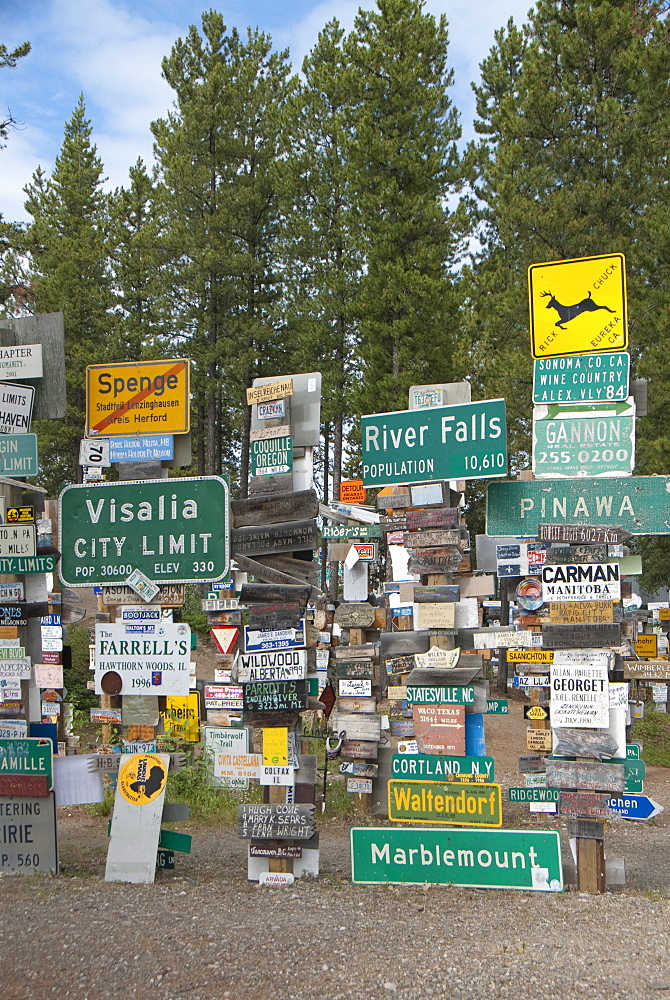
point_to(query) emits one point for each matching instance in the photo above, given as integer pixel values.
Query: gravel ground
(205, 933)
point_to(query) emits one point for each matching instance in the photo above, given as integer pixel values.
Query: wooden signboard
(582, 534)
(532, 765)
(355, 615)
(270, 593)
(271, 576)
(274, 851)
(31, 785)
(651, 670)
(581, 612)
(268, 696)
(264, 821)
(437, 658)
(357, 727)
(443, 676)
(581, 636)
(276, 616)
(290, 536)
(592, 805)
(354, 669)
(353, 688)
(274, 718)
(366, 706)
(302, 570)
(260, 510)
(359, 769)
(538, 740)
(439, 729)
(360, 749)
(480, 585)
(440, 616)
(269, 391)
(447, 517)
(500, 639)
(403, 643)
(276, 484)
(442, 560)
(272, 665)
(585, 743)
(589, 775)
(438, 539)
(390, 501)
(362, 651)
(576, 554)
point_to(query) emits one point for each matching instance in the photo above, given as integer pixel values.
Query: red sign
(366, 551)
(440, 729)
(225, 637)
(352, 491)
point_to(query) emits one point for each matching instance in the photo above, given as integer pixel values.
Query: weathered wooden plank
(273, 719)
(592, 829)
(445, 659)
(443, 560)
(357, 727)
(354, 669)
(269, 391)
(264, 821)
(271, 616)
(364, 705)
(477, 586)
(355, 615)
(435, 539)
(446, 517)
(301, 569)
(582, 534)
(581, 612)
(26, 785)
(360, 749)
(592, 805)
(439, 594)
(581, 636)
(402, 643)
(290, 536)
(274, 593)
(388, 502)
(435, 677)
(589, 775)
(429, 616)
(652, 670)
(576, 554)
(274, 485)
(364, 651)
(585, 743)
(272, 509)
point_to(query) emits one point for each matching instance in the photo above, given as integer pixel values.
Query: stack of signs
(583, 435)
(266, 662)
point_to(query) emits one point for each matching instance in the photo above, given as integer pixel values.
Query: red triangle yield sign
(225, 637)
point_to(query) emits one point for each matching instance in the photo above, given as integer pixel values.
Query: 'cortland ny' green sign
(173, 530)
(485, 859)
(638, 504)
(468, 441)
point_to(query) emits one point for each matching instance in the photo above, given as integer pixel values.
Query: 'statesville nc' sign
(174, 531)
(486, 859)
(468, 441)
(639, 504)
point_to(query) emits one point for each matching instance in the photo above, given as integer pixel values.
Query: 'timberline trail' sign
(173, 530)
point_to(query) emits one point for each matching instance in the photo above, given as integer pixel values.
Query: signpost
(581, 378)
(446, 442)
(590, 439)
(173, 531)
(493, 859)
(637, 504)
(141, 396)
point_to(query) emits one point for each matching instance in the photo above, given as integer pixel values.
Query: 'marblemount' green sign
(173, 530)
(639, 504)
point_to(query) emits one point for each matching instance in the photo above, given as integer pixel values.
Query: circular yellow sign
(142, 778)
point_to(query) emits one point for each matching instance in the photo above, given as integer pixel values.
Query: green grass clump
(654, 731)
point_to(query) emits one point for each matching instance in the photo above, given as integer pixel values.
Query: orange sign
(352, 491)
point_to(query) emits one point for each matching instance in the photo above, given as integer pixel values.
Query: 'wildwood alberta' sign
(174, 531)
(638, 504)
(468, 441)
(487, 859)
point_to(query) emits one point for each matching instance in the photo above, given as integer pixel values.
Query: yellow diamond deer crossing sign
(578, 306)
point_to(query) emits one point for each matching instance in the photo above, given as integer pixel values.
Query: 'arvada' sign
(581, 582)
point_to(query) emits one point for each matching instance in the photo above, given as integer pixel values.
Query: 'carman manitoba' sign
(638, 504)
(173, 531)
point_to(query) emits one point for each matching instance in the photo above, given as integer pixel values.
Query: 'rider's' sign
(578, 306)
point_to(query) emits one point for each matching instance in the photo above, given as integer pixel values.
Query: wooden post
(590, 865)
(277, 796)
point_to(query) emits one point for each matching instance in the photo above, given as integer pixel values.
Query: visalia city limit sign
(173, 530)
(638, 504)
(468, 441)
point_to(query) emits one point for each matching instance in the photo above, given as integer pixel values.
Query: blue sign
(18, 455)
(153, 448)
(634, 806)
(257, 640)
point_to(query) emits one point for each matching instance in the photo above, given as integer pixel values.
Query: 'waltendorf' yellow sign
(578, 306)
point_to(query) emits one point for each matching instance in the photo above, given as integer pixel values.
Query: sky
(111, 50)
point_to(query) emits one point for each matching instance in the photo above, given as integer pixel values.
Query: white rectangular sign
(17, 668)
(17, 540)
(352, 687)
(579, 696)
(157, 664)
(504, 640)
(232, 765)
(275, 665)
(20, 361)
(581, 582)
(231, 741)
(16, 407)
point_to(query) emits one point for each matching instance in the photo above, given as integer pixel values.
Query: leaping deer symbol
(571, 312)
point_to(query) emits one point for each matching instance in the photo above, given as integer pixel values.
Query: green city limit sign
(173, 530)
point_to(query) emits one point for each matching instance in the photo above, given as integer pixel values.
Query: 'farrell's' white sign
(600, 581)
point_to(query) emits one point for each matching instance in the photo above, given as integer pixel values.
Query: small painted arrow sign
(635, 806)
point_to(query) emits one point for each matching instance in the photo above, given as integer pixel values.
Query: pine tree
(67, 243)
(217, 152)
(404, 168)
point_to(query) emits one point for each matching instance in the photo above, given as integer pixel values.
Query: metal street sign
(486, 859)
(638, 504)
(533, 794)
(27, 755)
(441, 766)
(270, 456)
(173, 531)
(456, 803)
(446, 442)
(580, 379)
(18, 454)
(28, 841)
(138, 397)
(20, 361)
(635, 806)
(104, 451)
(588, 439)
(16, 407)
(17, 540)
(578, 306)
